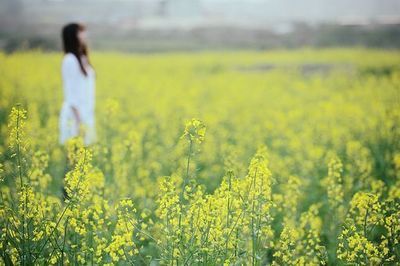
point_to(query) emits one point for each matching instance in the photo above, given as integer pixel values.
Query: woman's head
(74, 41)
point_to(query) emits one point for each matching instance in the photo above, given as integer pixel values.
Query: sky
(164, 13)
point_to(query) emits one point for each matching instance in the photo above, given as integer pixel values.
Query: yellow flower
(195, 131)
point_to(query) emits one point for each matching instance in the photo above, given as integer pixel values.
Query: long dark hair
(72, 45)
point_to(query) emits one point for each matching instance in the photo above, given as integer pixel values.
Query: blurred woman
(77, 113)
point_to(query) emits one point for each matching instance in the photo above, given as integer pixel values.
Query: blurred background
(167, 25)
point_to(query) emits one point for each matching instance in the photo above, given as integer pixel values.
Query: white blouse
(79, 92)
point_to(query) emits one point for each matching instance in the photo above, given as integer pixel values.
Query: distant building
(179, 8)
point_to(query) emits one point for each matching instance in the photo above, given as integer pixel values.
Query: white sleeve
(71, 78)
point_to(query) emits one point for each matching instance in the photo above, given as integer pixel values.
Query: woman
(77, 112)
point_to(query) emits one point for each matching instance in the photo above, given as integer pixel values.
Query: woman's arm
(76, 115)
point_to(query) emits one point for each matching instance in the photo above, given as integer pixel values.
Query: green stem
(187, 169)
(228, 213)
(19, 166)
(55, 227)
(65, 237)
(253, 237)
(183, 189)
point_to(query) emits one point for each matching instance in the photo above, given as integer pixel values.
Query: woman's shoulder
(70, 63)
(70, 58)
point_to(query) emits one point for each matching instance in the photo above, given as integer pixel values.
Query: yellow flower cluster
(76, 181)
(357, 241)
(195, 131)
(16, 126)
(334, 183)
(301, 244)
(122, 247)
